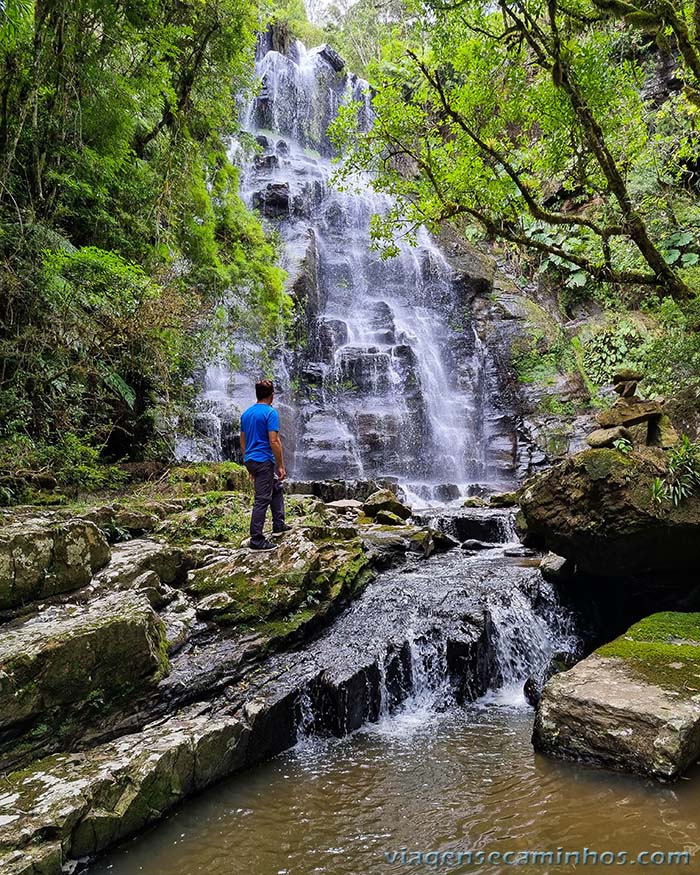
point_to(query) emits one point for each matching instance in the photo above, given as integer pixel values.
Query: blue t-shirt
(255, 424)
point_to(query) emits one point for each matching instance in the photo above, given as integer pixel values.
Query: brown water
(419, 781)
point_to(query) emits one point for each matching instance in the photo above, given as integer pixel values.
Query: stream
(444, 763)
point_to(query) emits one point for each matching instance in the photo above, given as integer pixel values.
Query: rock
(627, 375)
(442, 541)
(633, 705)
(627, 389)
(504, 499)
(56, 659)
(334, 490)
(474, 544)
(252, 587)
(492, 525)
(596, 509)
(215, 604)
(556, 568)
(345, 504)
(629, 411)
(387, 518)
(332, 57)
(662, 433)
(85, 802)
(133, 558)
(606, 437)
(475, 501)
(385, 500)
(274, 200)
(41, 558)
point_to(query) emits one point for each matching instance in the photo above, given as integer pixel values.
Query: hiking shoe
(285, 528)
(266, 545)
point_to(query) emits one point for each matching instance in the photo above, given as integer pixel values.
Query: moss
(222, 476)
(654, 645)
(600, 464)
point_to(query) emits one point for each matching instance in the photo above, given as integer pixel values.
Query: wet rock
(58, 658)
(442, 541)
(474, 544)
(632, 705)
(491, 525)
(475, 501)
(332, 57)
(274, 201)
(40, 558)
(385, 500)
(556, 568)
(606, 437)
(504, 499)
(596, 509)
(335, 490)
(89, 801)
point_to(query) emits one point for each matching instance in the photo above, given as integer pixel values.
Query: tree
(529, 121)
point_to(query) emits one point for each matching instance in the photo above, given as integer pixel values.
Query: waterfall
(388, 377)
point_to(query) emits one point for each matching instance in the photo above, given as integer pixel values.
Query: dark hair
(264, 389)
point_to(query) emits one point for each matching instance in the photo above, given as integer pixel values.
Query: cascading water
(389, 378)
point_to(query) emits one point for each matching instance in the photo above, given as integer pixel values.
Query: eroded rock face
(40, 558)
(632, 705)
(68, 652)
(596, 509)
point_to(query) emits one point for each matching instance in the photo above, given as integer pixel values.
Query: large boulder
(632, 705)
(596, 508)
(59, 658)
(41, 558)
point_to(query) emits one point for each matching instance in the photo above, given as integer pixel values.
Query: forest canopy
(121, 227)
(531, 120)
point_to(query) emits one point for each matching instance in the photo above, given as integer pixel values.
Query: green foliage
(623, 446)
(532, 127)
(616, 345)
(683, 477)
(121, 227)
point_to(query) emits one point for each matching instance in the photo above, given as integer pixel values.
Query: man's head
(264, 390)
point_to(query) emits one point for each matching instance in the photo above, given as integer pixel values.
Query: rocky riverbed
(139, 638)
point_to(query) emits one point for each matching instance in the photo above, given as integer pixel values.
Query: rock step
(41, 558)
(57, 659)
(633, 705)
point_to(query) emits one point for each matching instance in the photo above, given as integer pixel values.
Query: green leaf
(120, 386)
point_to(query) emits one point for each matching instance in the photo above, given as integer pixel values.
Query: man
(262, 450)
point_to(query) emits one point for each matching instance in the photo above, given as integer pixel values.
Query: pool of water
(421, 781)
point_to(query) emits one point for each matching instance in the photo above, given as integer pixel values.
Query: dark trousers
(268, 493)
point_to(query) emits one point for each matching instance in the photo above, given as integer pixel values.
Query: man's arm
(242, 443)
(276, 445)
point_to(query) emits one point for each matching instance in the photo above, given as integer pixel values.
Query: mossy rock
(261, 586)
(107, 649)
(596, 508)
(210, 477)
(43, 557)
(634, 704)
(664, 649)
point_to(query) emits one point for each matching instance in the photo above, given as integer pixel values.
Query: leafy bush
(618, 344)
